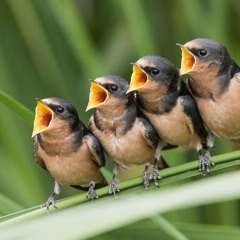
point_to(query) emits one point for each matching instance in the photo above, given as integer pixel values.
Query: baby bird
(128, 139)
(66, 148)
(214, 82)
(164, 100)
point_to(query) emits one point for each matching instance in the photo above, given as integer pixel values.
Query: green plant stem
(170, 175)
(17, 108)
(219, 161)
(109, 214)
(168, 228)
(8, 205)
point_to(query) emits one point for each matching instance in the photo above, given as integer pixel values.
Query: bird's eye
(60, 109)
(154, 71)
(113, 87)
(203, 52)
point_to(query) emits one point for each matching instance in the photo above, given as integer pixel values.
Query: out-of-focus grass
(98, 218)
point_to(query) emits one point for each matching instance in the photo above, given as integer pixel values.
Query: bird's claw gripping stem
(112, 189)
(91, 193)
(205, 164)
(155, 175)
(49, 202)
(145, 180)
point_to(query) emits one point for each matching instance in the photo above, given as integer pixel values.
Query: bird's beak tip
(87, 109)
(129, 90)
(32, 135)
(180, 45)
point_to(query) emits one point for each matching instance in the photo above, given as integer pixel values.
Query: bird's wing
(94, 146)
(96, 149)
(149, 133)
(191, 110)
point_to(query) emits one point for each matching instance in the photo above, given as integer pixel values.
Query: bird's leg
(155, 174)
(203, 163)
(208, 156)
(112, 189)
(145, 176)
(210, 144)
(51, 201)
(91, 191)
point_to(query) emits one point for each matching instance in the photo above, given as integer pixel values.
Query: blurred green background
(54, 47)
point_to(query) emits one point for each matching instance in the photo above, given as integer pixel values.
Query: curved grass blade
(132, 186)
(98, 218)
(17, 108)
(8, 205)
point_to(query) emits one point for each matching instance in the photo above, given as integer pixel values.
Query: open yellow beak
(98, 96)
(138, 79)
(188, 60)
(43, 118)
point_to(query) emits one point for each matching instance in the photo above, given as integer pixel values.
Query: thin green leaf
(7, 205)
(97, 218)
(130, 186)
(168, 228)
(17, 107)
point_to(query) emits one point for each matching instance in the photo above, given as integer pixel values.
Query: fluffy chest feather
(174, 127)
(222, 114)
(76, 168)
(125, 148)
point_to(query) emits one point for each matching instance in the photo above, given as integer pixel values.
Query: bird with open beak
(65, 148)
(163, 98)
(214, 82)
(128, 139)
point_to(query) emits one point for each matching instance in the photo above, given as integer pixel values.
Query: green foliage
(53, 48)
(97, 218)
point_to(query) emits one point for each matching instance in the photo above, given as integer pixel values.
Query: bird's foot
(145, 180)
(208, 156)
(91, 193)
(49, 202)
(205, 164)
(112, 189)
(155, 175)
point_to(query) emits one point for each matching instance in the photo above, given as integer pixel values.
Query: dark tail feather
(162, 163)
(102, 184)
(98, 185)
(169, 146)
